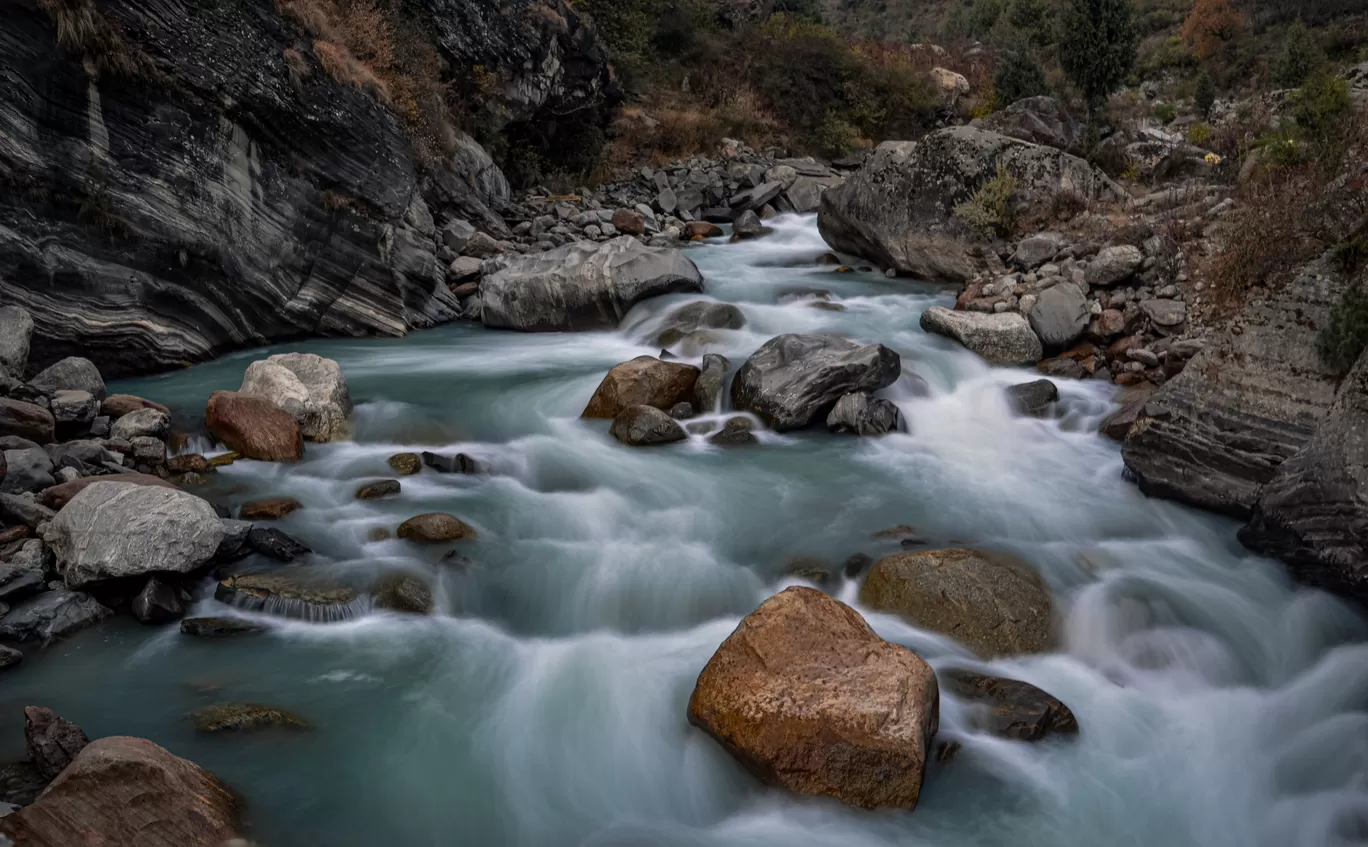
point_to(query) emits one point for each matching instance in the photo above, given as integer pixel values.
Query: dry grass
(372, 45)
(82, 29)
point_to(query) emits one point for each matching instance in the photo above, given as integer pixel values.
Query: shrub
(1340, 342)
(1019, 76)
(1321, 105)
(988, 210)
(1351, 254)
(1097, 47)
(1209, 24)
(1298, 58)
(1204, 93)
(82, 29)
(1199, 134)
(1165, 113)
(835, 137)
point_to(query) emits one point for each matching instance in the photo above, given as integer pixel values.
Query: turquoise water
(545, 705)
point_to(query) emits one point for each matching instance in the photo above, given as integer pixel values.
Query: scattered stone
(402, 592)
(52, 741)
(1060, 315)
(460, 463)
(1164, 313)
(1035, 250)
(807, 697)
(27, 470)
(1114, 264)
(642, 426)
(860, 414)
(271, 542)
(1032, 399)
(142, 422)
(187, 463)
(436, 527)
(159, 602)
(795, 380)
(118, 405)
(747, 225)
(272, 509)
(240, 717)
(219, 627)
(73, 411)
(736, 432)
(628, 222)
(702, 229)
(378, 489)
(405, 464)
(1013, 709)
(254, 427)
(644, 381)
(1000, 339)
(26, 420)
(994, 603)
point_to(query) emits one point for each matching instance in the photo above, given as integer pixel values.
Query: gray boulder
(646, 425)
(143, 422)
(1041, 120)
(1060, 315)
(29, 469)
(1035, 250)
(1002, 339)
(748, 225)
(51, 615)
(1114, 264)
(71, 374)
(1032, 399)
(582, 286)
(118, 529)
(1166, 314)
(898, 210)
(796, 380)
(73, 410)
(860, 414)
(311, 388)
(16, 328)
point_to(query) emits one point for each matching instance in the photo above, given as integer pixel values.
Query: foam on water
(545, 705)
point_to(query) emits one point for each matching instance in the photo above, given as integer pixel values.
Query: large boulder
(1114, 264)
(128, 792)
(16, 328)
(796, 380)
(254, 427)
(995, 604)
(644, 381)
(141, 422)
(70, 374)
(642, 426)
(26, 420)
(1060, 315)
(59, 495)
(1041, 120)
(120, 529)
(1001, 339)
(1313, 512)
(311, 388)
(29, 469)
(581, 286)
(899, 209)
(807, 697)
(1215, 434)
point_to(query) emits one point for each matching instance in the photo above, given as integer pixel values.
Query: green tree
(1205, 93)
(1097, 40)
(1298, 59)
(1019, 76)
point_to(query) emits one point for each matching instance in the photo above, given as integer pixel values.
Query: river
(545, 705)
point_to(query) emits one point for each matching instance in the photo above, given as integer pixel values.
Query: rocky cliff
(178, 178)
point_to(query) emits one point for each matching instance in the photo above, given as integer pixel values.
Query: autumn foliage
(1210, 23)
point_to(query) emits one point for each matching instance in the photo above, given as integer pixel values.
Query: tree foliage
(1210, 24)
(1097, 42)
(1298, 58)
(1205, 93)
(1019, 76)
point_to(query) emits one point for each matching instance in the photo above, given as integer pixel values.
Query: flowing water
(545, 705)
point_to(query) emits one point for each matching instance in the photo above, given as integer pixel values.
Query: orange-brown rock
(809, 698)
(118, 405)
(435, 527)
(702, 229)
(992, 602)
(644, 381)
(128, 792)
(272, 509)
(256, 428)
(625, 220)
(188, 463)
(59, 495)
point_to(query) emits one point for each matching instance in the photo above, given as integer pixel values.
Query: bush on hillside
(1342, 340)
(1298, 58)
(989, 210)
(1019, 76)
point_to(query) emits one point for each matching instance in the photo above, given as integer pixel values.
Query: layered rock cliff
(178, 178)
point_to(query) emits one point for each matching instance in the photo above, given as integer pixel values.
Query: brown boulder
(59, 495)
(702, 229)
(26, 420)
(435, 527)
(272, 509)
(1009, 708)
(187, 463)
(644, 381)
(629, 222)
(256, 428)
(128, 792)
(52, 741)
(118, 405)
(808, 697)
(995, 604)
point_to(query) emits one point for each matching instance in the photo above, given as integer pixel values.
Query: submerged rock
(460, 463)
(271, 509)
(1012, 709)
(379, 488)
(1001, 339)
(994, 603)
(807, 697)
(113, 530)
(698, 316)
(159, 602)
(581, 286)
(1032, 399)
(269, 541)
(435, 527)
(795, 380)
(405, 464)
(644, 381)
(310, 388)
(240, 717)
(736, 432)
(642, 426)
(256, 428)
(219, 627)
(133, 794)
(401, 592)
(860, 414)
(303, 593)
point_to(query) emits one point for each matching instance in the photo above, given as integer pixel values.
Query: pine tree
(1298, 58)
(1205, 93)
(1209, 24)
(1097, 40)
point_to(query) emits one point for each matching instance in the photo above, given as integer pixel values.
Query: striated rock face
(898, 210)
(207, 184)
(806, 696)
(1313, 513)
(1217, 432)
(128, 792)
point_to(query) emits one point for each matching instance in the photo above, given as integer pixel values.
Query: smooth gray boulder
(311, 388)
(16, 328)
(795, 380)
(29, 469)
(898, 210)
(119, 529)
(642, 426)
(581, 286)
(1060, 315)
(1002, 339)
(143, 422)
(860, 414)
(70, 374)
(1035, 250)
